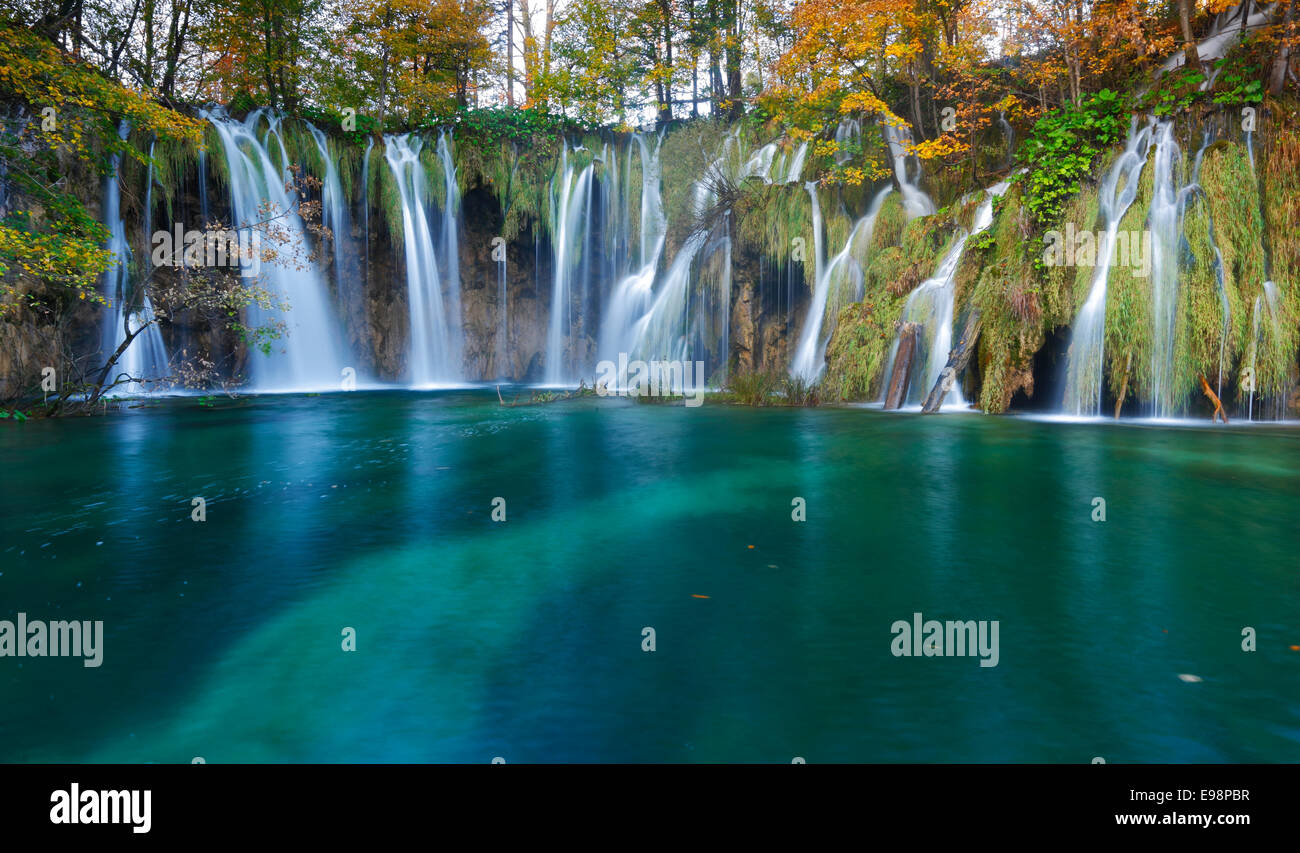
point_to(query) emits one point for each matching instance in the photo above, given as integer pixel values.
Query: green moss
(1128, 306)
(1280, 162)
(1019, 302)
(859, 348)
(889, 223)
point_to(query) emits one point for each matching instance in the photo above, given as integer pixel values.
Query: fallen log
(1214, 398)
(549, 397)
(898, 380)
(958, 358)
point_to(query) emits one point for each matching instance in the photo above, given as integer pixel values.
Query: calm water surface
(523, 639)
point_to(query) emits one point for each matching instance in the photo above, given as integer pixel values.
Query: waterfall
(1220, 284)
(1165, 220)
(365, 199)
(451, 247)
(434, 355)
(915, 201)
(796, 165)
(931, 306)
(570, 225)
(809, 359)
(205, 212)
(503, 320)
(631, 296)
(1085, 370)
(310, 358)
(333, 207)
(146, 356)
(674, 327)
(1266, 300)
(1009, 134)
(848, 132)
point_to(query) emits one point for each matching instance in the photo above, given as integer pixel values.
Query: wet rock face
(760, 333)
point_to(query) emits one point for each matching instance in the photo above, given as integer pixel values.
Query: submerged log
(958, 358)
(897, 387)
(1214, 398)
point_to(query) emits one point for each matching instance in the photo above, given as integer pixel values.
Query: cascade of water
(672, 327)
(931, 306)
(760, 162)
(1009, 134)
(451, 245)
(1265, 304)
(365, 199)
(205, 212)
(847, 134)
(1168, 202)
(434, 356)
(145, 358)
(311, 357)
(809, 360)
(915, 201)
(570, 224)
(333, 207)
(631, 297)
(796, 165)
(503, 321)
(1083, 379)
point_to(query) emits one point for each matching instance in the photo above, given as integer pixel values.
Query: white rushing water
(915, 201)
(570, 232)
(1165, 221)
(1085, 368)
(434, 354)
(631, 296)
(311, 357)
(145, 358)
(809, 358)
(931, 305)
(333, 206)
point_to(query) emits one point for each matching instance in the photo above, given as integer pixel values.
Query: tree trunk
(958, 358)
(510, 53)
(1214, 398)
(1190, 54)
(1278, 77)
(1123, 386)
(897, 387)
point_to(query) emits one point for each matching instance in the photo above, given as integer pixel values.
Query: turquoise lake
(522, 639)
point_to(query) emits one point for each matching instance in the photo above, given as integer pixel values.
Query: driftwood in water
(1123, 386)
(958, 358)
(1214, 398)
(896, 391)
(548, 397)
